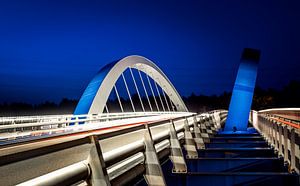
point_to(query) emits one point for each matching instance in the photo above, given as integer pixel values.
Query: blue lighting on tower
(242, 94)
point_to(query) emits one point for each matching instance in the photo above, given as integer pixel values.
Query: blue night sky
(52, 49)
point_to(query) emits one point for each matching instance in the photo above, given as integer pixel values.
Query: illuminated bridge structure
(152, 139)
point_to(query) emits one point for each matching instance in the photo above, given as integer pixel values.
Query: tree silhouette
(289, 96)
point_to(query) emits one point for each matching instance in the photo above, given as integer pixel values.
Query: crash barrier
(283, 137)
(117, 166)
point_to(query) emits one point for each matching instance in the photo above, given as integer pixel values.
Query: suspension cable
(152, 92)
(120, 103)
(136, 88)
(172, 104)
(159, 96)
(106, 108)
(128, 92)
(145, 90)
(165, 99)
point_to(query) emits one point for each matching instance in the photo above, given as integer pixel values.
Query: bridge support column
(242, 93)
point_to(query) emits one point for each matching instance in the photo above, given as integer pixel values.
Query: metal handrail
(66, 176)
(281, 135)
(79, 119)
(117, 161)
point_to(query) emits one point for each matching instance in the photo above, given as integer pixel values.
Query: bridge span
(153, 140)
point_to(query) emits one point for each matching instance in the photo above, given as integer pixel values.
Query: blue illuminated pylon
(242, 94)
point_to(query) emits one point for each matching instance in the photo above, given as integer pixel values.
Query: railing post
(198, 139)
(265, 127)
(154, 175)
(211, 124)
(270, 137)
(281, 153)
(190, 146)
(297, 151)
(285, 144)
(179, 165)
(293, 156)
(214, 121)
(208, 126)
(204, 131)
(217, 119)
(99, 176)
(276, 136)
(273, 134)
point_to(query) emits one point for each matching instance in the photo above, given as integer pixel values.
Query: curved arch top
(97, 92)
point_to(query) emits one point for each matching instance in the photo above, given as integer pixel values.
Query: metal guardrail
(113, 164)
(36, 123)
(291, 122)
(287, 114)
(282, 136)
(72, 118)
(65, 176)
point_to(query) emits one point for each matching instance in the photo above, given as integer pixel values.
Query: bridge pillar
(242, 94)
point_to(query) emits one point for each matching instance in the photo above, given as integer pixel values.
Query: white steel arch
(93, 101)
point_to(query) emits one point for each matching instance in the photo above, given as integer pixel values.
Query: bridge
(150, 139)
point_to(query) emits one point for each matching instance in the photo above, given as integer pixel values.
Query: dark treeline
(289, 96)
(263, 99)
(66, 106)
(202, 103)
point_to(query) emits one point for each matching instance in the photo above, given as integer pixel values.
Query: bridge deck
(233, 160)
